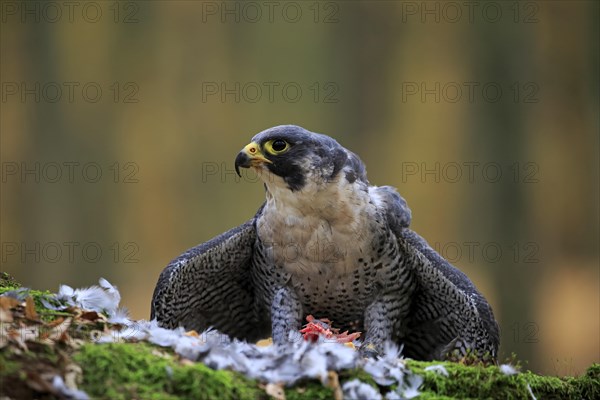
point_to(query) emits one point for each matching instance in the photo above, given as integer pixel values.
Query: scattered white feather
(439, 369)
(300, 349)
(392, 395)
(98, 298)
(46, 303)
(135, 331)
(120, 316)
(357, 390)
(93, 298)
(65, 291)
(389, 369)
(338, 356)
(164, 337)
(531, 392)
(19, 294)
(296, 360)
(64, 297)
(110, 289)
(59, 385)
(103, 298)
(219, 358)
(188, 347)
(411, 390)
(508, 369)
(108, 337)
(314, 363)
(379, 372)
(391, 351)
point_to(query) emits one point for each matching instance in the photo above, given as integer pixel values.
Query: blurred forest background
(120, 122)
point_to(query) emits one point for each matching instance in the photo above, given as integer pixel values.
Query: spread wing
(447, 311)
(207, 286)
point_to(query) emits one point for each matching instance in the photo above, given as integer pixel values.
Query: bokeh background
(120, 123)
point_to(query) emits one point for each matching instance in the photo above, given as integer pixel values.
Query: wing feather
(447, 308)
(207, 286)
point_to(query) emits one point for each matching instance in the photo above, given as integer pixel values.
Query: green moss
(123, 371)
(18, 368)
(586, 386)
(309, 390)
(38, 295)
(589, 384)
(143, 371)
(7, 281)
(12, 377)
(7, 366)
(468, 382)
(361, 375)
(478, 382)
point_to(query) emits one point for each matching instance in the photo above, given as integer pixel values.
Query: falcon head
(299, 157)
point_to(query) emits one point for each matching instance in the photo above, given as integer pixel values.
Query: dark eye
(279, 145)
(276, 146)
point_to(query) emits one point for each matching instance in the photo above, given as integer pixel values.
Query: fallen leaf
(39, 382)
(351, 345)
(7, 302)
(5, 316)
(276, 391)
(160, 354)
(73, 374)
(3, 335)
(55, 322)
(333, 381)
(30, 312)
(59, 332)
(265, 342)
(90, 315)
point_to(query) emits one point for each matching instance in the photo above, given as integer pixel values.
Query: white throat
(318, 229)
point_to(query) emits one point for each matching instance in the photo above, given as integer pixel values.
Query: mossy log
(140, 370)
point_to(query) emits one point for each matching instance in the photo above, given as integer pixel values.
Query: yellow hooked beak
(250, 156)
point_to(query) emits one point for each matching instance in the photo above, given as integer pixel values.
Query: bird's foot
(369, 350)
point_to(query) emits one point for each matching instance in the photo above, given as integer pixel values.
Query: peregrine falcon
(327, 243)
